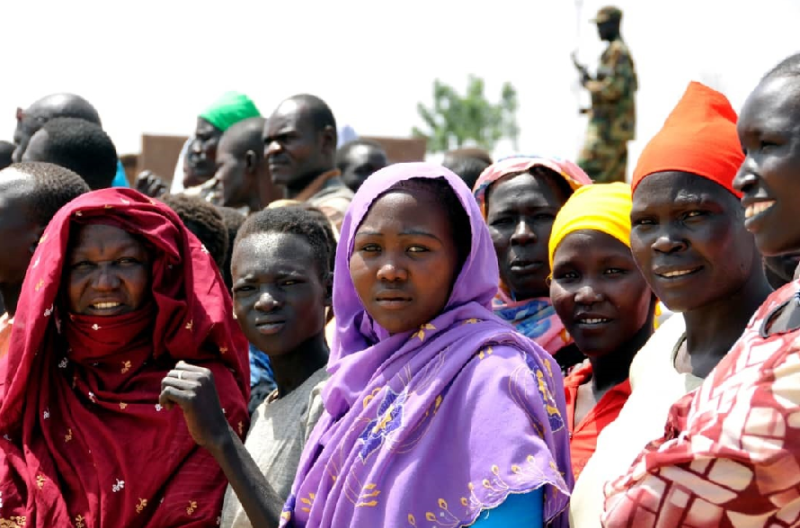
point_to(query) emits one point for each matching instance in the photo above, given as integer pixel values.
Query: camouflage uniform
(612, 118)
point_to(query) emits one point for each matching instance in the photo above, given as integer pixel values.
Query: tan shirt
(278, 433)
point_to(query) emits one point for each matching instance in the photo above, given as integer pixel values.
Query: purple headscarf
(430, 427)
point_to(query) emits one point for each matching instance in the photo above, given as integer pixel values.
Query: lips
(757, 208)
(524, 265)
(393, 300)
(270, 325)
(594, 320)
(676, 272)
(106, 307)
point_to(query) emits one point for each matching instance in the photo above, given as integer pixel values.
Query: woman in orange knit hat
(731, 450)
(688, 239)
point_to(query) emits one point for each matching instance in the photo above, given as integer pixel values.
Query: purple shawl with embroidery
(432, 426)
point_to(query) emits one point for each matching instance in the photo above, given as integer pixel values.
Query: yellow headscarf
(604, 207)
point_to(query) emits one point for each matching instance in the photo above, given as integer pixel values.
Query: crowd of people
(294, 331)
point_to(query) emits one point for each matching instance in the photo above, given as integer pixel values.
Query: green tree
(453, 120)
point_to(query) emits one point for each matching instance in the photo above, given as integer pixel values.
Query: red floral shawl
(730, 455)
(83, 441)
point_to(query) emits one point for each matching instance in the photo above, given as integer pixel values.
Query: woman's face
(689, 240)
(404, 260)
(108, 272)
(279, 294)
(519, 212)
(769, 178)
(598, 292)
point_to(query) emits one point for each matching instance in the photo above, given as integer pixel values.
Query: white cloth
(278, 433)
(177, 177)
(655, 386)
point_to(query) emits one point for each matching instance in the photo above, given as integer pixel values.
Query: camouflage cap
(608, 14)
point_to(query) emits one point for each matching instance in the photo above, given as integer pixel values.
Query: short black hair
(293, 220)
(344, 151)
(446, 197)
(327, 227)
(788, 67)
(48, 188)
(467, 168)
(82, 147)
(6, 150)
(64, 105)
(244, 136)
(233, 221)
(318, 110)
(204, 220)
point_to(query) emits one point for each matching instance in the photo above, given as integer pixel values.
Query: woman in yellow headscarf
(605, 304)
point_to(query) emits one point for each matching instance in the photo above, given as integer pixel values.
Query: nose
(268, 301)
(391, 271)
(523, 234)
(745, 177)
(588, 295)
(271, 147)
(667, 243)
(106, 279)
(196, 146)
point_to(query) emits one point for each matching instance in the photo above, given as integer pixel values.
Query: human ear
(251, 162)
(328, 284)
(35, 238)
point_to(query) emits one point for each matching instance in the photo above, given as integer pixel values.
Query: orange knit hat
(698, 137)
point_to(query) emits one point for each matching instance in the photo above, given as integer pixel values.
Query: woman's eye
(83, 265)
(694, 214)
(643, 222)
(544, 217)
(417, 249)
(291, 282)
(501, 221)
(565, 276)
(370, 248)
(766, 145)
(614, 271)
(127, 261)
(242, 289)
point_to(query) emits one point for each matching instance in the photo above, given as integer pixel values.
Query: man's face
(293, 149)
(201, 157)
(608, 30)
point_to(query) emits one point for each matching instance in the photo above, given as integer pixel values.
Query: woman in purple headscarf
(436, 410)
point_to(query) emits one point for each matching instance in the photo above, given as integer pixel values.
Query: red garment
(84, 441)
(583, 436)
(699, 137)
(731, 453)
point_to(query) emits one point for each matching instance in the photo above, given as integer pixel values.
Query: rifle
(581, 69)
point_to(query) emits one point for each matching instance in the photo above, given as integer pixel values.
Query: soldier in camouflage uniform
(612, 118)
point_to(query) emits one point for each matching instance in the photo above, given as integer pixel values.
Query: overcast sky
(152, 65)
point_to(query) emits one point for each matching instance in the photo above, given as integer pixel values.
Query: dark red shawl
(83, 441)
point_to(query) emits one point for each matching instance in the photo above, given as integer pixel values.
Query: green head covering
(229, 110)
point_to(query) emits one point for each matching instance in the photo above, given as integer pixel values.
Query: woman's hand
(192, 389)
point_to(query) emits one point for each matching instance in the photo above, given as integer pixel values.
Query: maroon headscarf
(84, 441)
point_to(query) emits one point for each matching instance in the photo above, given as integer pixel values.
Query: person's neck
(298, 187)
(610, 370)
(11, 295)
(712, 330)
(294, 368)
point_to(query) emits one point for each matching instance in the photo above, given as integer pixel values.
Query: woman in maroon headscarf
(117, 293)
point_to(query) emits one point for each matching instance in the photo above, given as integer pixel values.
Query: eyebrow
(132, 245)
(407, 232)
